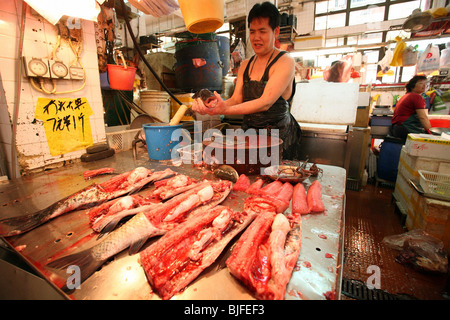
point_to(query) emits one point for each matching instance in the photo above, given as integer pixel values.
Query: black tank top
(276, 117)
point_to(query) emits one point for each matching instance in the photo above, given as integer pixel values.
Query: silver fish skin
(88, 197)
(133, 234)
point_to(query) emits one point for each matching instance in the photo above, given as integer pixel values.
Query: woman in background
(410, 114)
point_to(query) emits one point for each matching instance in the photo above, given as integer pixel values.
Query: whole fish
(95, 194)
(144, 225)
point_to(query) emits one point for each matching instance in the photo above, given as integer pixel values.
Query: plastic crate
(121, 140)
(434, 182)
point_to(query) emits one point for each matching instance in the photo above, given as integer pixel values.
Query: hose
(141, 54)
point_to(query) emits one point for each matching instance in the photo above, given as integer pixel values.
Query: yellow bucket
(202, 16)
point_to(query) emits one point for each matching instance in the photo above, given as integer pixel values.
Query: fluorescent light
(322, 52)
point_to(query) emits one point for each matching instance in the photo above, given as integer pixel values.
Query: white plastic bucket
(156, 104)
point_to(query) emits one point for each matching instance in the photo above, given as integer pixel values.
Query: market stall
(122, 277)
(100, 198)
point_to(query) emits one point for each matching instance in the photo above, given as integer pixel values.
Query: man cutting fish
(265, 84)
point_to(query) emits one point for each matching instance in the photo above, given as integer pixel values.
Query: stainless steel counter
(317, 274)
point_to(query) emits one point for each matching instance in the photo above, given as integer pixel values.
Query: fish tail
(108, 225)
(17, 225)
(84, 260)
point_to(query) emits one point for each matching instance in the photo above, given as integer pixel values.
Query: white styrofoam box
(444, 167)
(412, 164)
(427, 145)
(325, 102)
(403, 191)
(364, 99)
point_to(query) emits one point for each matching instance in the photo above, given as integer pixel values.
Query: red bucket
(120, 77)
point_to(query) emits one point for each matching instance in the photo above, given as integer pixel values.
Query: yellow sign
(66, 123)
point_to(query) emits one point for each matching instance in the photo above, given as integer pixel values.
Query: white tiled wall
(39, 40)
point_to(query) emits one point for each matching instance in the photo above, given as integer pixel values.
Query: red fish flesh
(314, 197)
(242, 184)
(272, 188)
(183, 253)
(168, 188)
(110, 213)
(255, 187)
(277, 202)
(88, 174)
(95, 194)
(146, 224)
(299, 202)
(265, 255)
(101, 215)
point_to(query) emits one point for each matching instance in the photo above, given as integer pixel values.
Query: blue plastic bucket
(161, 140)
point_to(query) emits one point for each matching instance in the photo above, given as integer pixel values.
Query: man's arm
(280, 77)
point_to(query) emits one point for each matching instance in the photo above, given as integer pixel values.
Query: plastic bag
(237, 56)
(410, 56)
(445, 57)
(420, 250)
(339, 71)
(386, 61)
(446, 96)
(397, 57)
(438, 104)
(429, 59)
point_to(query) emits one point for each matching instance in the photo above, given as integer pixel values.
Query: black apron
(277, 116)
(410, 125)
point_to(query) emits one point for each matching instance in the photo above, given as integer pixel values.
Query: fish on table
(95, 194)
(265, 255)
(155, 221)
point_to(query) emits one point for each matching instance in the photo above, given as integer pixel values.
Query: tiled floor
(370, 216)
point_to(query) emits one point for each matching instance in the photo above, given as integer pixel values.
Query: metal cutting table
(317, 274)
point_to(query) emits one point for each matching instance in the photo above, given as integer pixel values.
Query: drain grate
(358, 290)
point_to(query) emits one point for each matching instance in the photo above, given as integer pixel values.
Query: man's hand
(212, 105)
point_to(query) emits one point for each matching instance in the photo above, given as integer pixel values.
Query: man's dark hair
(412, 83)
(265, 10)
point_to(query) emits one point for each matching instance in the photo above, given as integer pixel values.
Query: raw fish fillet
(314, 197)
(123, 184)
(110, 213)
(255, 187)
(265, 255)
(299, 202)
(272, 188)
(183, 253)
(242, 184)
(88, 174)
(146, 224)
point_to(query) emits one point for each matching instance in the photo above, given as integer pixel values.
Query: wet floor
(370, 216)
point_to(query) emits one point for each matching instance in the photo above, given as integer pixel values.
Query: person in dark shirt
(265, 84)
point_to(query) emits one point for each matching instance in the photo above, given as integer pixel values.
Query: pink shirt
(407, 106)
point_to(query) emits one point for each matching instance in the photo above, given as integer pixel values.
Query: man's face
(262, 37)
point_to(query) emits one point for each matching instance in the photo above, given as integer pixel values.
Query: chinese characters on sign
(66, 123)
